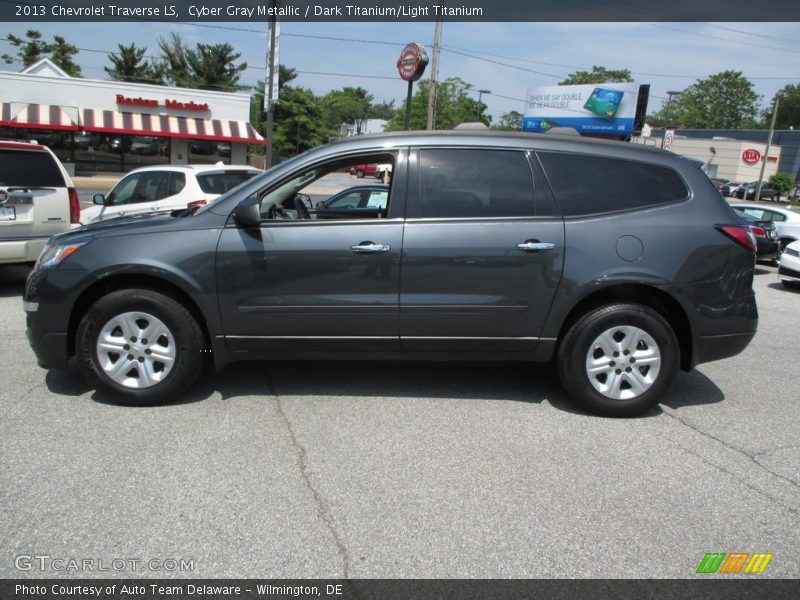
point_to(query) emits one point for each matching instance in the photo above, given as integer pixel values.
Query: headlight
(56, 254)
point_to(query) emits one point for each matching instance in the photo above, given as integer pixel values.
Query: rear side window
(585, 184)
(219, 183)
(475, 183)
(26, 168)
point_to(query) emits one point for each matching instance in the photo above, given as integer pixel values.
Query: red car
(361, 170)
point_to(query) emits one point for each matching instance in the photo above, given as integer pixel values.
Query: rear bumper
(715, 347)
(21, 251)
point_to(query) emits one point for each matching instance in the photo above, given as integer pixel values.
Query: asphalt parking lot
(305, 469)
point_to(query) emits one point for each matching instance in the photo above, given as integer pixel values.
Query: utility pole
(757, 197)
(437, 41)
(269, 100)
(666, 116)
(480, 99)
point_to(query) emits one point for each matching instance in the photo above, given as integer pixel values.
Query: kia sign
(412, 62)
(751, 156)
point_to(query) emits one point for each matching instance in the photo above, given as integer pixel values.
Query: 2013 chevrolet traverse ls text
(619, 264)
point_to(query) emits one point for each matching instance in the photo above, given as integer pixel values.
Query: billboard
(594, 109)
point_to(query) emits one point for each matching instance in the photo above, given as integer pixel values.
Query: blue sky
(512, 56)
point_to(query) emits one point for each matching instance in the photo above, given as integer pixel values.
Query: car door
(136, 194)
(480, 267)
(312, 283)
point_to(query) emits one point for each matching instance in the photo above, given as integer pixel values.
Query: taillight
(740, 234)
(196, 203)
(74, 205)
(758, 231)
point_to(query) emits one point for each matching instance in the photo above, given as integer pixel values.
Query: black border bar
(702, 587)
(32, 11)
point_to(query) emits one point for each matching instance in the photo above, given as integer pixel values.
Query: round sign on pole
(751, 156)
(412, 62)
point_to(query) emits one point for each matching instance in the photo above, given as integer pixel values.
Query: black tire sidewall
(185, 330)
(576, 343)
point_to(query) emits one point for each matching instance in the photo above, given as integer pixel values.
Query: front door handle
(535, 246)
(370, 248)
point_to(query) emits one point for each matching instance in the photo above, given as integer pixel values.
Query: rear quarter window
(584, 184)
(219, 183)
(29, 168)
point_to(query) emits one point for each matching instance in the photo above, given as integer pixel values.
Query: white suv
(166, 188)
(37, 200)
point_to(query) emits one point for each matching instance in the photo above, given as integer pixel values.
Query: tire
(121, 320)
(641, 380)
(360, 174)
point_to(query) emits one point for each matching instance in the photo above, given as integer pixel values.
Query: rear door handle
(370, 248)
(535, 246)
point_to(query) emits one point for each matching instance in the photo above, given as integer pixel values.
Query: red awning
(40, 116)
(49, 116)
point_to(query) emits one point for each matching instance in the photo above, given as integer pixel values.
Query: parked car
(787, 221)
(361, 199)
(729, 189)
(748, 192)
(720, 183)
(147, 145)
(364, 169)
(381, 171)
(767, 247)
(201, 147)
(789, 266)
(37, 200)
(224, 149)
(491, 247)
(166, 188)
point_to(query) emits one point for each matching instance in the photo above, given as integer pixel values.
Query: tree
(453, 106)
(783, 182)
(61, 54)
(510, 121)
(348, 105)
(382, 110)
(174, 65)
(206, 67)
(213, 67)
(598, 75)
(299, 121)
(30, 51)
(788, 108)
(129, 66)
(726, 100)
(34, 48)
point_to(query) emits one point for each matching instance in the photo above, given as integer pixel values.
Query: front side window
(141, 187)
(584, 184)
(466, 183)
(328, 191)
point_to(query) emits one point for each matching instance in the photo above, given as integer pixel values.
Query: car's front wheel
(139, 346)
(618, 360)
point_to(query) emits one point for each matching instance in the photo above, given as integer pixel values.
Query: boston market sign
(151, 103)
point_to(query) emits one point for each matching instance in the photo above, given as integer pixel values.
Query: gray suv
(619, 264)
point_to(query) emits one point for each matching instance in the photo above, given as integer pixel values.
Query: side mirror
(99, 199)
(247, 214)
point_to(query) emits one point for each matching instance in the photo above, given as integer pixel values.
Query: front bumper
(789, 275)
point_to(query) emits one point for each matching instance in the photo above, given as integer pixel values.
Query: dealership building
(113, 126)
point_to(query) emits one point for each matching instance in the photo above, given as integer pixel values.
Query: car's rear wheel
(360, 174)
(139, 346)
(618, 360)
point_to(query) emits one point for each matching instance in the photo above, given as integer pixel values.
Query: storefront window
(203, 152)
